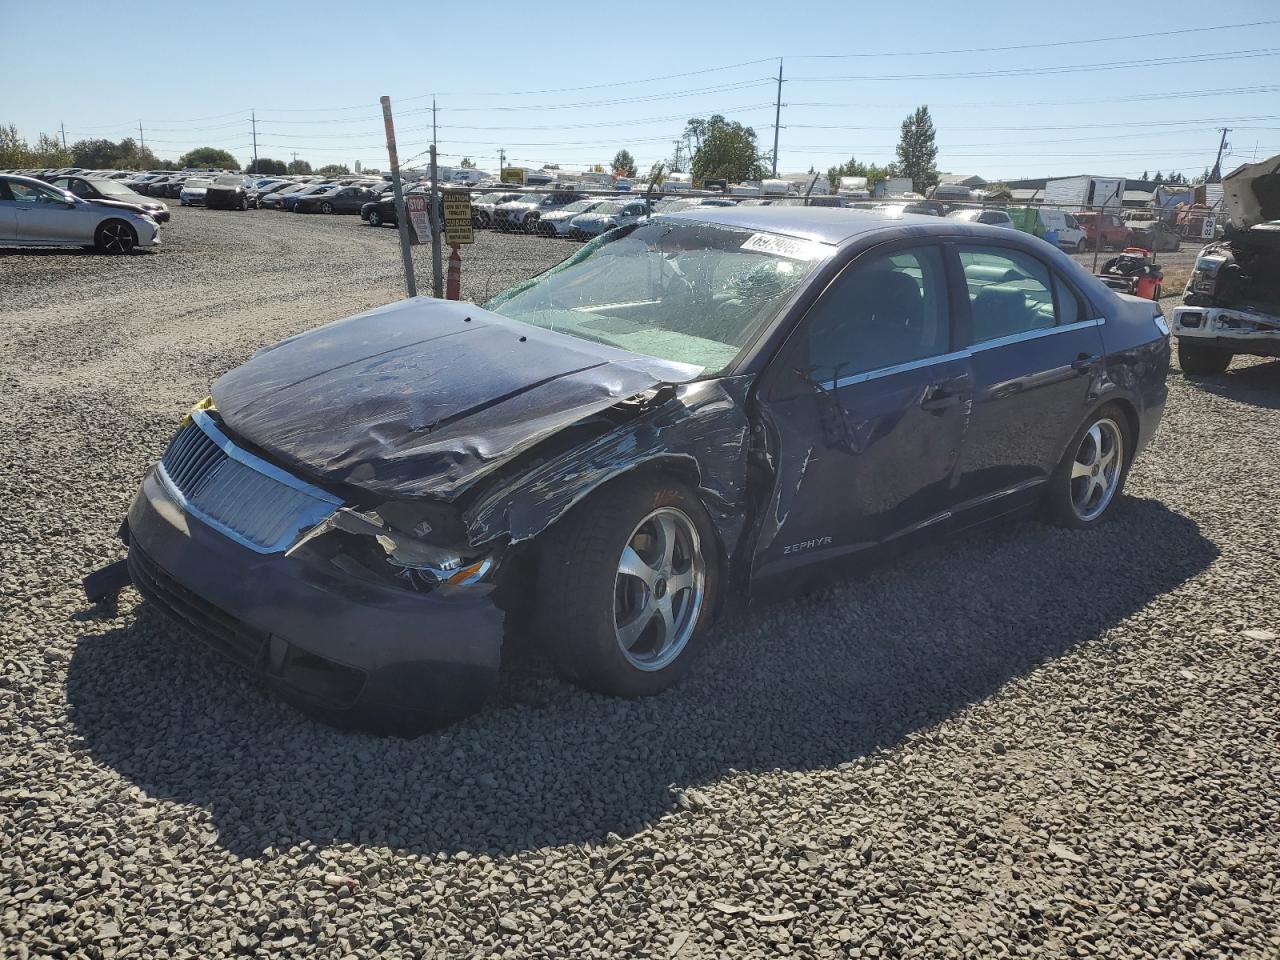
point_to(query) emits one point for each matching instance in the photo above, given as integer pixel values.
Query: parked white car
(193, 191)
(35, 214)
(1071, 235)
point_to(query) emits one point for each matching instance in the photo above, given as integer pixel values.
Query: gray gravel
(1029, 743)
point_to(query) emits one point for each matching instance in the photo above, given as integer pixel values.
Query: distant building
(970, 180)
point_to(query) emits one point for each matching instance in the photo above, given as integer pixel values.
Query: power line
(1042, 70)
(1035, 46)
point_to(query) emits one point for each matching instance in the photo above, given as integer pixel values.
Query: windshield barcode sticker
(788, 247)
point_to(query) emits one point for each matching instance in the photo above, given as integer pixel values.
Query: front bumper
(1237, 331)
(350, 651)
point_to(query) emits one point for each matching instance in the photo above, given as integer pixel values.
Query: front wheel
(375, 219)
(628, 583)
(1195, 358)
(115, 237)
(1081, 246)
(1092, 473)
(326, 207)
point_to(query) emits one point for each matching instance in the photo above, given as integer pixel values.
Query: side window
(1009, 292)
(878, 313)
(1069, 308)
(1072, 222)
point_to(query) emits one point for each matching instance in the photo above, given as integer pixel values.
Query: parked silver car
(607, 216)
(35, 214)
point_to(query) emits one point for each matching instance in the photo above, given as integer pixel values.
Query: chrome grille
(242, 496)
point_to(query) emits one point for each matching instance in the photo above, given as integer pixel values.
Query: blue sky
(575, 83)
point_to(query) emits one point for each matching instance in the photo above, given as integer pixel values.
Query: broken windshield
(679, 290)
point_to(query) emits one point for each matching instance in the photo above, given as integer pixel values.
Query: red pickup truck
(1115, 235)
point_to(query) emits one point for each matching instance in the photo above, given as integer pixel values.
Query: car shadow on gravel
(797, 685)
(1257, 384)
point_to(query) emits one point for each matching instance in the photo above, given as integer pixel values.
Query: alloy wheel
(117, 238)
(659, 589)
(1096, 470)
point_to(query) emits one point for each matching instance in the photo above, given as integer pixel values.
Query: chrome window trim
(896, 368)
(959, 354)
(1036, 334)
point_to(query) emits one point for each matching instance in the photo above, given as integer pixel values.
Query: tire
(375, 218)
(1195, 358)
(480, 219)
(326, 207)
(115, 237)
(1084, 488)
(532, 223)
(588, 584)
(1081, 246)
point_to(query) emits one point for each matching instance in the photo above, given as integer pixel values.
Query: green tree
(696, 128)
(918, 150)
(855, 168)
(624, 165)
(333, 169)
(728, 151)
(267, 167)
(209, 157)
(99, 154)
(49, 152)
(297, 167)
(467, 164)
(14, 151)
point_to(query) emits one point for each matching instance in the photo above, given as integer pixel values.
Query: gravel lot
(1031, 743)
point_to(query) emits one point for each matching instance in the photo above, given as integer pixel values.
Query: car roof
(832, 225)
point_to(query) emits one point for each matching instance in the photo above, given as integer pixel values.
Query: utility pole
(253, 119)
(1215, 175)
(142, 143)
(63, 128)
(437, 267)
(402, 219)
(777, 118)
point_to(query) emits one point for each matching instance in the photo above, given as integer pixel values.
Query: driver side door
(45, 216)
(867, 405)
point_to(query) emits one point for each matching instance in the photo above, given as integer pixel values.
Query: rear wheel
(115, 237)
(532, 223)
(375, 218)
(1091, 476)
(1198, 359)
(326, 207)
(627, 587)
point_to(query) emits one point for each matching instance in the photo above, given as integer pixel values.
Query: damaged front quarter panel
(698, 431)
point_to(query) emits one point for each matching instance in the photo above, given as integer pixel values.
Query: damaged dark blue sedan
(615, 452)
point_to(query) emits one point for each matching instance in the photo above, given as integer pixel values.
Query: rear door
(867, 405)
(1036, 355)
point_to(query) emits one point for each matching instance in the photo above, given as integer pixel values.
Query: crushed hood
(422, 397)
(1251, 193)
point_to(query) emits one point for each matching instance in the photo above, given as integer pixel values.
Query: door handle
(1083, 363)
(945, 393)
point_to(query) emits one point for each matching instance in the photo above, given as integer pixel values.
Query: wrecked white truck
(1232, 301)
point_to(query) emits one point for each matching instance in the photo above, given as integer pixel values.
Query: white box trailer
(853, 187)
(1085, 191)
(775, 188)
